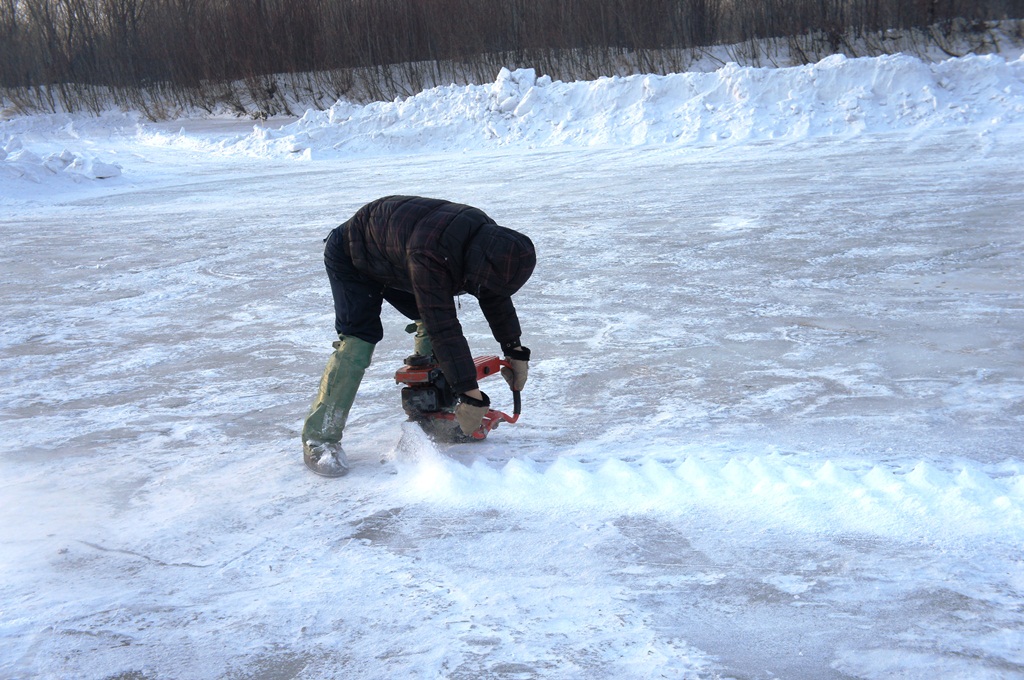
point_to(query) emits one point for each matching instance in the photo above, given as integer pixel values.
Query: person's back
(383, 234)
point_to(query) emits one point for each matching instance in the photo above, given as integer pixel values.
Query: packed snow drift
(773, 425)
(837, 97)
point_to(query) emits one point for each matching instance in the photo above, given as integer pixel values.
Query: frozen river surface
(773, 427)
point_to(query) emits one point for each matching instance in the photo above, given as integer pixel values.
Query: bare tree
(256, 55)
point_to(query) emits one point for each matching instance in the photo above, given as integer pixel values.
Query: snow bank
(838, 96)
(17, 162)
(835, 97)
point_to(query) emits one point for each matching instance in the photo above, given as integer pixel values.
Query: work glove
(520, 362)
(470, 413)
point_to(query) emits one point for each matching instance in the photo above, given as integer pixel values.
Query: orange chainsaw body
(427, 395)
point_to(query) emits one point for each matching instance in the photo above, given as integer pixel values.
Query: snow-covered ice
(773, 427)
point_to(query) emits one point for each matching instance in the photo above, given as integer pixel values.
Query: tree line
(258, 55)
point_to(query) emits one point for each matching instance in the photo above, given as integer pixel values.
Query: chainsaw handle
(486, 366)
(492, 419)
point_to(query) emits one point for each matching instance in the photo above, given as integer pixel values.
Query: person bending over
(418, 254)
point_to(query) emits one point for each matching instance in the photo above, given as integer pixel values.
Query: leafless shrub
(258, 57)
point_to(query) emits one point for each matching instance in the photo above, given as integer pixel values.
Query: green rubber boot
(321, 433)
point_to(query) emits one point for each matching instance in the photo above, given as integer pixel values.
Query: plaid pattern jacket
(437, 250)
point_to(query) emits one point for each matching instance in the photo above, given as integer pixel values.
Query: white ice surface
(773, 426)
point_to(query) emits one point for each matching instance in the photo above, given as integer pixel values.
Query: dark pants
(357, 299)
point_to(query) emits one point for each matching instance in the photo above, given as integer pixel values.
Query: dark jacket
(436, 250)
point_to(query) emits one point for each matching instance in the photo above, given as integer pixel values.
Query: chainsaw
(428, 399)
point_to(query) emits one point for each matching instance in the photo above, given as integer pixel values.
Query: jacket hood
(498, 261)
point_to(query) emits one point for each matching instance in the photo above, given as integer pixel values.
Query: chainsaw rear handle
(492, 365)
(491, 420)
(494, 418)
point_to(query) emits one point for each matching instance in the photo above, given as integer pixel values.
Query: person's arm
(502, 318)
(504, 322)
(435, 301)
